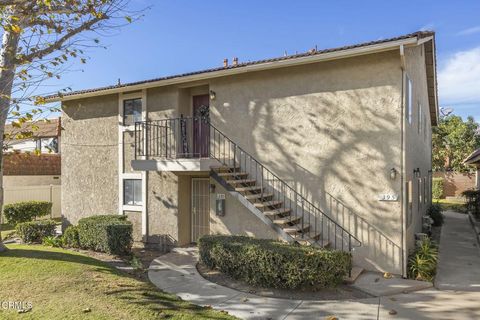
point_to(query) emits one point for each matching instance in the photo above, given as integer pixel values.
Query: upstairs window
(132, 192)
(409, 100)
(132, 111)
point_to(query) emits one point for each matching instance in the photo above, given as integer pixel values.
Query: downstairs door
(200, 208)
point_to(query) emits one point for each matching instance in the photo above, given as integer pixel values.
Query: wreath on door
(204, 112)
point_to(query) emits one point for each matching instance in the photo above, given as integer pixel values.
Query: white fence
(51, 193)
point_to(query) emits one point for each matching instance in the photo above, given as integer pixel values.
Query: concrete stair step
(287, 220)
(355, 273)
(232, 174)
(242, 181)
(296, 229)
(257, 196)
(248, 189)
(225, 168)
(267, 204)
(277, 212)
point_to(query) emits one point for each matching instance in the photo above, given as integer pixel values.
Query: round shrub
(435, 212)
(35, 231)
(268, 263)
(26, 211)
(70, 237)
(107, 233)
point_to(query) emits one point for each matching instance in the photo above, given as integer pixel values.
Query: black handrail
(180, 138)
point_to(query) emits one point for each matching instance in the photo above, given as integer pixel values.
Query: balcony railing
(198, 138)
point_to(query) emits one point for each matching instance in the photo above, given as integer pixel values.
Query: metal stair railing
(196, 137)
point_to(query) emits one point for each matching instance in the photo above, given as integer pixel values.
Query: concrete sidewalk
(459, 257)
(176, 273)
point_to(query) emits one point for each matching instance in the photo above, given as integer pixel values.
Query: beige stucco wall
(89, 157)
(21, 181)
(331, 129)
(418, 148)
(237, 220)
(328, 128)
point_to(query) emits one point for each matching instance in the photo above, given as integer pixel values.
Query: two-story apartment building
(329, 148)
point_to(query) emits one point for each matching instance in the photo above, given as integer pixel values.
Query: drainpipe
(404, 203)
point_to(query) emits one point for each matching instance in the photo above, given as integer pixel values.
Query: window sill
(127, 207)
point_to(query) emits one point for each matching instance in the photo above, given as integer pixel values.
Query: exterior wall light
(213, 95)
(212, 188)
(393, 173)
(416, 172)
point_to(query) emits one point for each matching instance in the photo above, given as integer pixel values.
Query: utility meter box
(220, 205)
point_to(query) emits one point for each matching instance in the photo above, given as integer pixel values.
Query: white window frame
(122, 175)
(135, 97)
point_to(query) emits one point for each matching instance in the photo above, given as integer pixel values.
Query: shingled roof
(47, 128)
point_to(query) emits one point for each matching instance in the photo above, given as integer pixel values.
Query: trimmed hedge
(269, 263)
(437, 188)
(35, 231)
(26, 211)
(70, 237)
(106, 233)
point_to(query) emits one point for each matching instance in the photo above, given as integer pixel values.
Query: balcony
(176, 145)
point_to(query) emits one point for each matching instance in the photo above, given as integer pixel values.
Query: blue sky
(177, 36)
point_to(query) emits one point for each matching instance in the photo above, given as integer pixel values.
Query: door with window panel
(200, 208)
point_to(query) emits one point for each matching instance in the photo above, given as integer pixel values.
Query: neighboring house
(29, 169)
(42, 136)
(32, 163)
(474, 160)
(328, 147)
(455, 183)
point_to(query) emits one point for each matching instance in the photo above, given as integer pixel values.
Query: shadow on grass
(40, 252)
(127, 288)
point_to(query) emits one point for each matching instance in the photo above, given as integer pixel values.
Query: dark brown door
(201, 127)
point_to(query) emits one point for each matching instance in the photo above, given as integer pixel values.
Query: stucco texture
(89, 157)
(237, 219)
(418, 151)
(331, 129)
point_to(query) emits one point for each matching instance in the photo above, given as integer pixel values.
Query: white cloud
(459, 78)
(469, 31)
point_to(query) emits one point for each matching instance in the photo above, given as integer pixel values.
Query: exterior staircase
(261, 191)
(293, 226)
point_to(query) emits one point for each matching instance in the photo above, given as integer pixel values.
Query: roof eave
(375, 48)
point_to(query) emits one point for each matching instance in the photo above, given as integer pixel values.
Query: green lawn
(6, 229)
(61, 284)
(451, 204)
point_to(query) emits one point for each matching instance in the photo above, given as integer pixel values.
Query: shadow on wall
(349, 140)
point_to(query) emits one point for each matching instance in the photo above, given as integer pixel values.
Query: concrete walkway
(459, 256)
(176, 273)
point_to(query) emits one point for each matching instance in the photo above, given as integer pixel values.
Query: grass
(61, 284)
(457, 205)
(6, 229)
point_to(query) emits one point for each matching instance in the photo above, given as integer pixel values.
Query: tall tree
(40, 39)
(453, 140)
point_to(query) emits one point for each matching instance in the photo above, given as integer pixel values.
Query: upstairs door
(201, 128)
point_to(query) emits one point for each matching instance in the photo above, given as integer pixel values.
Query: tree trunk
(8, 53)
